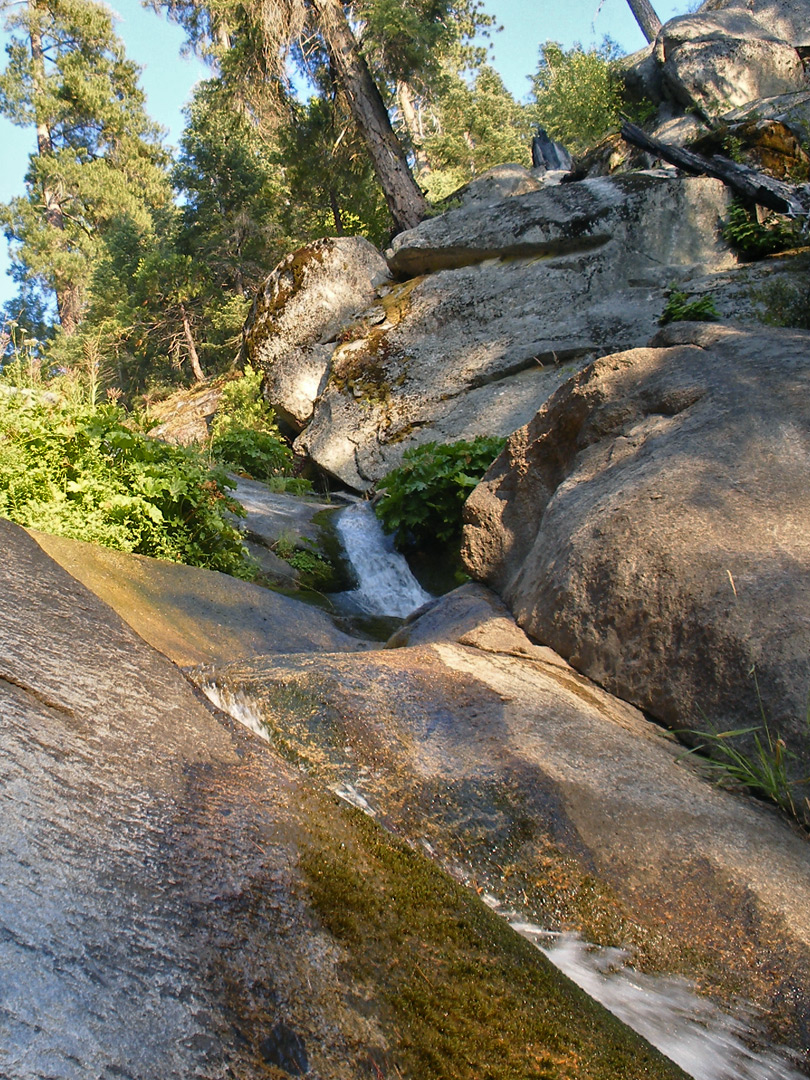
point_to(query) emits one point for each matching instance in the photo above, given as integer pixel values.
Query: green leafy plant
(423, 498)
(679, 308)
(784, 303)
(755, 758)
(244, 435)
(315, 570)
(578, 94)
(757, 239)
(81, 472)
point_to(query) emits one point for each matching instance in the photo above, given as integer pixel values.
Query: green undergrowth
(679, 308)
(465, 997)
(422, 499)
(245, 438)
(80, 471)
(754, 239)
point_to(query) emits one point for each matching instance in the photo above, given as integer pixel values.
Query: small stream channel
(705, 1042)
(385, 584)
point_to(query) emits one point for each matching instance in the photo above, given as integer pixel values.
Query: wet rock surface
(650, 526)
(564, 804)
(195, 616)
(175, 901)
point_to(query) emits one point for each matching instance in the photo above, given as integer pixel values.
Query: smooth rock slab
(175, 902)
(651, 526)
(191, 615)
(565, 804)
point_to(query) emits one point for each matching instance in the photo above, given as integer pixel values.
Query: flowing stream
(707, 1043)
(386, 585)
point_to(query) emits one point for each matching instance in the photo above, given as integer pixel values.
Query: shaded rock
(548, 154)
(718, 60)
(561, 803)
(768, 145)
(534, 287)
(650, 525)
(191, 615)
(286, 1049)
(470, 615)
(172, 896)
(302, 307)
(792, 110)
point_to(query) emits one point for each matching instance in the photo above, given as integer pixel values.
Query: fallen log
(757, 187)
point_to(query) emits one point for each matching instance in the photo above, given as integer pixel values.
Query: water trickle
(386, 585)
(706, 1042)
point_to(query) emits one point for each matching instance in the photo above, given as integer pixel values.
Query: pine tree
(97, 158)
(262, 36)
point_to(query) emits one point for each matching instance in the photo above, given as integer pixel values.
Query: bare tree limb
(746, 182)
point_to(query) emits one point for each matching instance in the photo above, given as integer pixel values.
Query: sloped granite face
(176, 902)
(650, 525)
(562, 802)
(513, 299)
(153, 923)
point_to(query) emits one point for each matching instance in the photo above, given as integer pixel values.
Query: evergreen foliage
(756, 239)
(98, 155)
(577, 96)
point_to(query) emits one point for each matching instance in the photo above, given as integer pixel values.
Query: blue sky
(168, 77)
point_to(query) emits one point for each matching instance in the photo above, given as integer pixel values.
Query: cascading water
(707, 1044)
(386, 585)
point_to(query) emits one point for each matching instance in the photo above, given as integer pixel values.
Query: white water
(386, 584)
(691, 1031)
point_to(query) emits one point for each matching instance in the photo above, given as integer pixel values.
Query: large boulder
(299, 310)
(564, 805)
(720, 60)
(650, 524)
(509, 299)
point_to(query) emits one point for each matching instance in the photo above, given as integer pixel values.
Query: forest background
(265, 155)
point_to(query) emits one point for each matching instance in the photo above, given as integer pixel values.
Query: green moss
(467, 997)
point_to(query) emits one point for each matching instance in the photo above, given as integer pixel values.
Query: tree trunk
(336, 215)
(646, 18)
(193, 355)
(411, 121)
(405, 200)
(792, 199)
(68, 297)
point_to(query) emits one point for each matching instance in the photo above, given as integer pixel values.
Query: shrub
(757, 239)
(784, 303)
(244, 435)
(578, 96)
(679, 308)
(423, 498)
(81, 472)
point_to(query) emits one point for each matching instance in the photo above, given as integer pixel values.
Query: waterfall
(386, 585)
